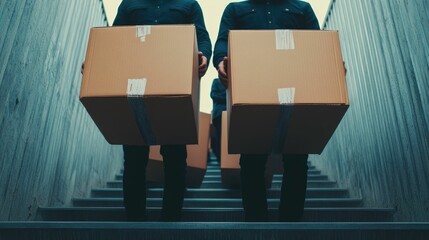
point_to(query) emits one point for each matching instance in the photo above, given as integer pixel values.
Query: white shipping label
(136, 87)
(142, 32)
(284, 40)
(286, 95)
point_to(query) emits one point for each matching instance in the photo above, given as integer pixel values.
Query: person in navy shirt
(263, 14)
(155, 12)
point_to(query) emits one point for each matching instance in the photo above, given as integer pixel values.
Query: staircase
(213, 212)
(212, 203)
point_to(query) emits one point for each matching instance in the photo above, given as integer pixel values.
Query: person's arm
(310, 21)
(217, 92)
(204, 44)
(221, 47)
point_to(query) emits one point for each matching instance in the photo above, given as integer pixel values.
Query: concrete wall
(50, 149)
(381, 148)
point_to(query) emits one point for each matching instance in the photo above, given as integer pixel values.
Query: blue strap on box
(279, 139)
(140, 115)
(135, 91)
(286, 100)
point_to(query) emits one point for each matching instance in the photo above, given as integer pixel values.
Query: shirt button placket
(269, 17)
(158, 13)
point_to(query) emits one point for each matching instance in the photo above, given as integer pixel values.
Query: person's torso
(265, 14)
(155, 12)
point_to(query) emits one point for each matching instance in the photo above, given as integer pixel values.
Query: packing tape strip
(136, 87)
(142, 31)
(286, 97)
(284, 40)
(135, 92)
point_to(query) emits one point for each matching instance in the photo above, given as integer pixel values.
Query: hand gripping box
(140, 84)
(287, 91)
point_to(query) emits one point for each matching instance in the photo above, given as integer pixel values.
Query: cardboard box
(197, 158)
(140, 84)
(287, 90)
(230, 163)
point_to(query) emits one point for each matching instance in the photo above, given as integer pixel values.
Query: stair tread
(216, 209)
(219, 189)
(221, 199)
(219, 181)
(215, 173)
(214, 230)
(228, 225)
(207, 184)
(231, 214)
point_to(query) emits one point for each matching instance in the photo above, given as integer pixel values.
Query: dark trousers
(134, 182)
(216, 136)
(294, 186)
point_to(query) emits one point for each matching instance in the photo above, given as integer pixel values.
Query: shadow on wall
(50, 148)
(381, 148)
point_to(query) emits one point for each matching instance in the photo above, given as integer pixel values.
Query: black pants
(216, 136)
(134, 183)
(293, 189)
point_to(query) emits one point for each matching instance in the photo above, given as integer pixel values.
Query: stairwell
(214, 212)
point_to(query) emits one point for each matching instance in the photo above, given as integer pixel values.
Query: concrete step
(217, 167)
(216, 202)
(215, 162)
(275, 177)
(196, 230)
(213, 170)
(217, 172)
(216, 215)
(218, 184)
(223, 193)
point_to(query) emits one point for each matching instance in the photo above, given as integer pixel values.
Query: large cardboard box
(287, 90)
(197, 158)
(140, 84)
(230, 163)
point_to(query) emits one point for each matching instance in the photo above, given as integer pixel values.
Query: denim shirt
(156, 12)
(218, 95)
(262, 14)
(257, 14)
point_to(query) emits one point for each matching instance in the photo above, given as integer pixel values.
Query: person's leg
(294, 187)
(174, 157)
(253, 188)
(216, 139)
(134, 181)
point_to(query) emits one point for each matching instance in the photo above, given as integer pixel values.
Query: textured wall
(50, 150)
(381, 148)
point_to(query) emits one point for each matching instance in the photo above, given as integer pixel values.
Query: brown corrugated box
(264, 63)
(166, 56)
(197, 158)
(230, 163)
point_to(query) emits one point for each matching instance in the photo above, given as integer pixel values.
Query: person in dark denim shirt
(155, 12)
(265, 14)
